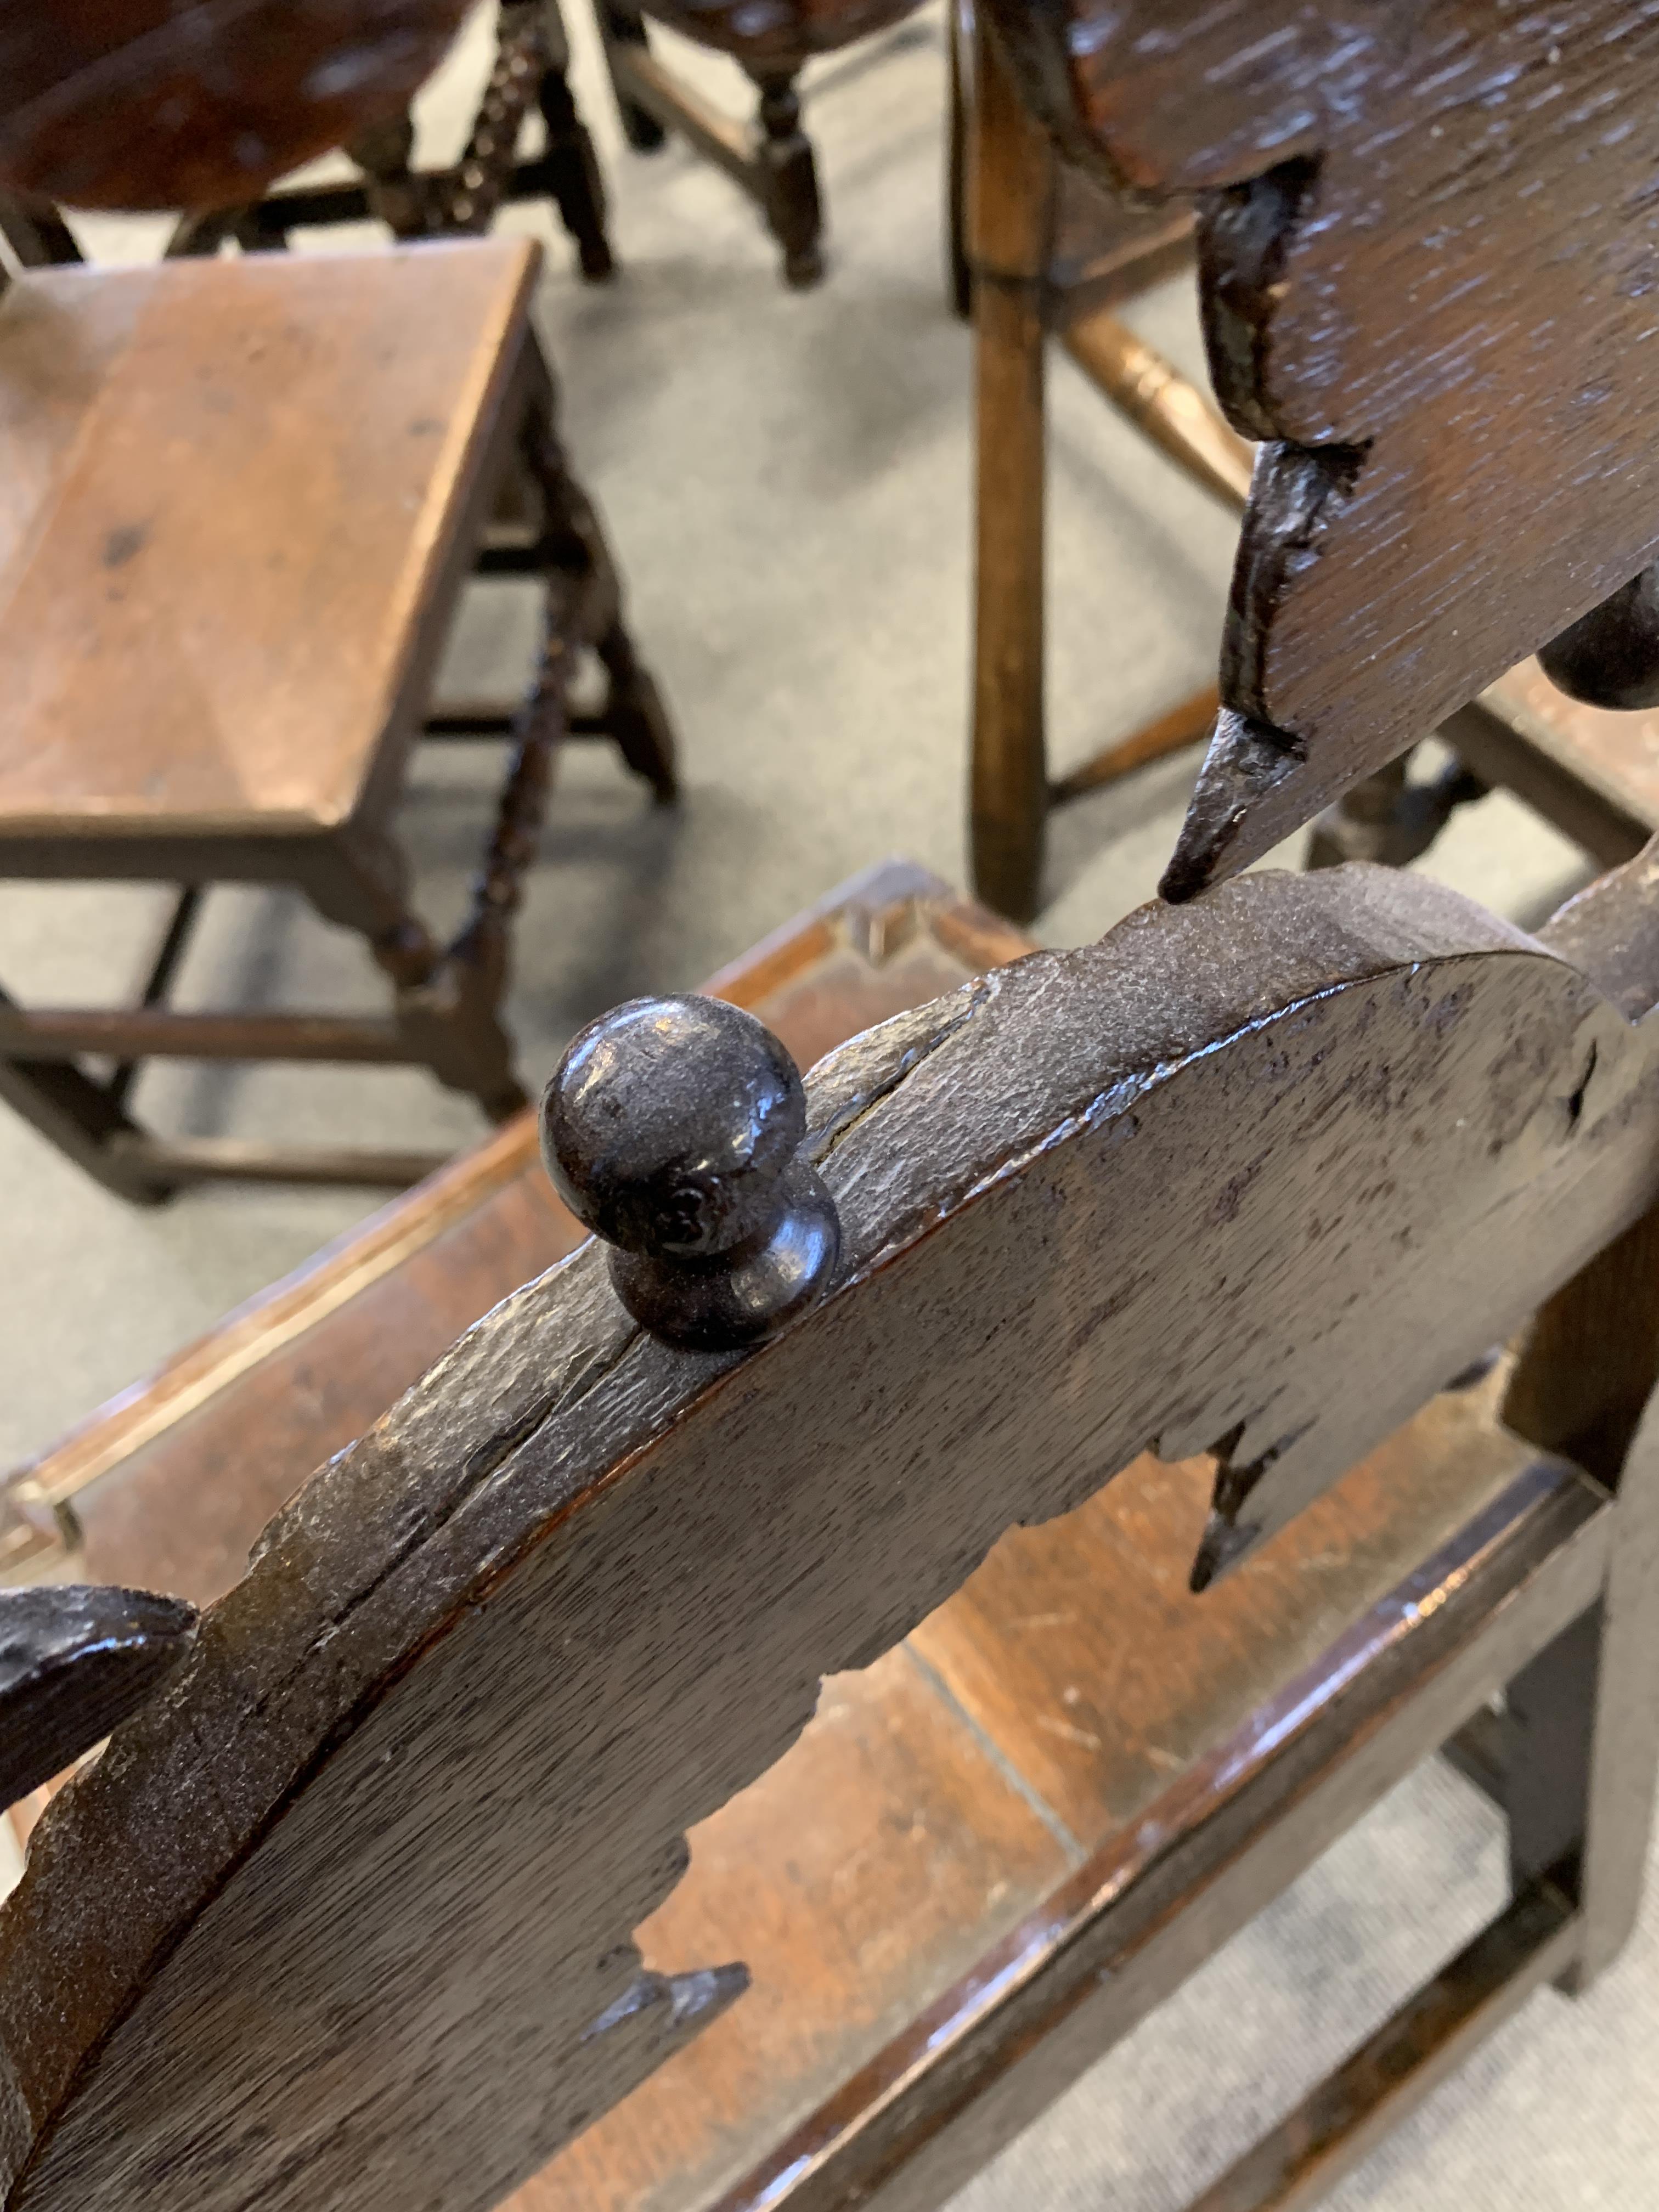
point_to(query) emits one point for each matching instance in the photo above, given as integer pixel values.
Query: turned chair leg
(959, 275)
(635, 716)
(790, 176)
(1389, 819)
(1009, 777)
(444, 1004)
(573, 165)
(621, 25)
(396, 196)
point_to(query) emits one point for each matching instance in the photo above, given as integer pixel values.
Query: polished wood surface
(1376, 590)
(142, 104)
(565, 1519)
(228, 487)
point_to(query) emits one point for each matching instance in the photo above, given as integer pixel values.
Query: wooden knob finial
(672, 1129)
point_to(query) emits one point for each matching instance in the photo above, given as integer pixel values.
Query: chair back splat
(1258, 1174)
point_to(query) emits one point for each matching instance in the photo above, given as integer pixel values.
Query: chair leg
(1009, 775)
(622, 25)
(573, 165)
(445, 1004)
(1582, 1736)
(1389, 819)
(37, 233)
(959, 275)
(397, 196)
(80, 1118)
(790, 179)
(635, 716)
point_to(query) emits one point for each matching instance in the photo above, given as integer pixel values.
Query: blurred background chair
(529, 76)
(774, 164)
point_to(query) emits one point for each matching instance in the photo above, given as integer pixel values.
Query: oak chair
(574, 1593)
(246, 496)
(1047, 246)
(530, 71)
(775, 165)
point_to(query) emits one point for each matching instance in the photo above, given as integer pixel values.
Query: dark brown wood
(1610, 657)
(1593, 773)
(1190, 1813)
(429, 1630)
(136, 105)
(1477, 166)
(149, 1032)
(130, 114)
(76, 1662)
(672, 1129)
(1046, 251)
(1009, 197)
(1345, 2116)
(135, 752)
(776, 164)
(1581, 1798)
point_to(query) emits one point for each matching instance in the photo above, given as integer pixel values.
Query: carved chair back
(1255, 1177)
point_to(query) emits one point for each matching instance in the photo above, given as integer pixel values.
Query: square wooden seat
(998, 1848)
(240, 499)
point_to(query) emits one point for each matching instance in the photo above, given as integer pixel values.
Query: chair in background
(247, 494)
(1046, 248)
(530, 72)
(776, 166)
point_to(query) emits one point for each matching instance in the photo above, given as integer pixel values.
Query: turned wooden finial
(672, 1129)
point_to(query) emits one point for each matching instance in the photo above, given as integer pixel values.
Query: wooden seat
(993, 1851)
(776, 166)
(242, 499)
(112, 139)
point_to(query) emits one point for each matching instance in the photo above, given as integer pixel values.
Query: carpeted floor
(785, 478)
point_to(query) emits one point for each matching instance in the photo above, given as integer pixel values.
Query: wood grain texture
(1080, 1665)
(1426, 240)
(174, 1479)
(142, 103)
(166, 628)
(373, 1834)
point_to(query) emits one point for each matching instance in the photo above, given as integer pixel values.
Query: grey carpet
(787, 480)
